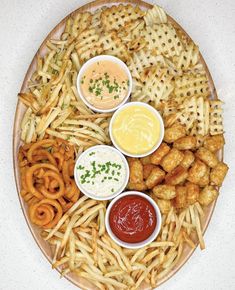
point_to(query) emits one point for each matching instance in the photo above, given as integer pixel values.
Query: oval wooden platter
(20, 109)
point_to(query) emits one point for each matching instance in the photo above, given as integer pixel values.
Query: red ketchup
(132, 219)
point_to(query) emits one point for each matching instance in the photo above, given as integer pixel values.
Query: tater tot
(172, 159)
(136, 171)
(207, 157)
(156, 176)
(188, 159)
(164, 191)
(214, 143)
(185, 143)
(156, 157)
(205, 180)
(218, 174)
(137, 186)
(173, 133)
(197, 171)
(176, 176)
(145, 160)
(147, 170)
(192, 192)
(180, 201)
(163, 204)
(208, 195)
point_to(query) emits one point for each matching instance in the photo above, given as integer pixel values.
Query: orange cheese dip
(104, 84)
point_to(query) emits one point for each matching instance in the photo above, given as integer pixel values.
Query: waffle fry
(117, 16)
(163, 39)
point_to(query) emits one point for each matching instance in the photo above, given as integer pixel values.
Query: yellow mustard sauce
(136, 129)
(104, 84)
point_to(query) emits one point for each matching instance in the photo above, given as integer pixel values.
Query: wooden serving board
(20, 109)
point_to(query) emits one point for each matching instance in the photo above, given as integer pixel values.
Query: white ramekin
(158, 116)
(100, 58)
(149, 239)
(89, 194)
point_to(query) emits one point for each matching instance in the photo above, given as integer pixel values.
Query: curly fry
(65, 172)
(59, 157)
(43, 213)
(29, 177)
(43, 154)
(41, 143)
(57, 177)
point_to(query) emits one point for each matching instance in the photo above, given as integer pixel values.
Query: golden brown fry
(147, 170)
(164, 191)
(197, 171)
(214, 143)
(145, 160)
(188, 159)
(218, 174)
(164, 205)
(205, 179)
(137, 186)
(192, 192)
(185, 143)
(156, 156)
(136, 171)
(173, 133)
(208, 195)
(172, 160)
(156, 176)
(207, 157)
(180, 201)
(176, 176)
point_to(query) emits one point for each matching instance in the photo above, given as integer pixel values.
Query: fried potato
(192, 192)
(163, 204)
(207, 157)
(192, 84)
(214, 143)
(172, 159)
(156, 176)
(208, 195)
(136, 171)
(137, 186)
(216, 118)
(205, 179)
(147, 170)
(145, 160)
(188, 159)
(218, 174)
(173, 133)
(156, 156)
(180, 201)
(164, 191)
(185, 143)
(116, 17)
(176, 176)
(197, 171)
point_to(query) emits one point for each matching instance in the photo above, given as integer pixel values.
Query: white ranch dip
(101, 171)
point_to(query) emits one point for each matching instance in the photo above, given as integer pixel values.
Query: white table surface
(23, 26)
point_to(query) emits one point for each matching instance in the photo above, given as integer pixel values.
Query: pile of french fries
(167, 73)
(82, 246)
